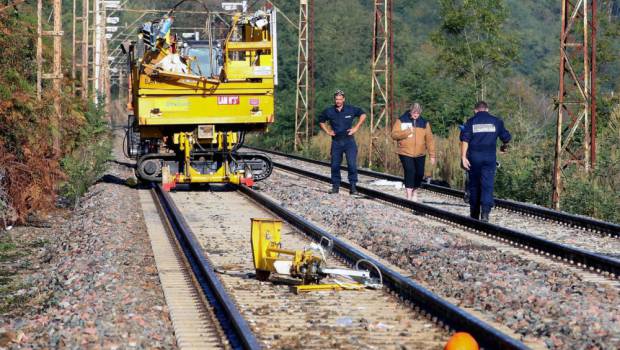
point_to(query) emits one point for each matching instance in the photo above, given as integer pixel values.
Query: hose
(125, 143)
(240, 142)
(373, 265)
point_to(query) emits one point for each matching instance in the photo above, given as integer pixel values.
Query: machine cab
(207, 58)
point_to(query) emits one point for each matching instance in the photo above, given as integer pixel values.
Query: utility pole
(73, 47)
(302, 101)
(56, 75)
(105, 64)
(39, 48)
(575, 148)
(97, 41)
(57, 72)
(382, 84)
(79, 51)
(121, 82)
(311, 67)
(84, 52)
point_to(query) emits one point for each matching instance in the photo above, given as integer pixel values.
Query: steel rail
(235, 326)
(581, 257)
(525, 208)
(459, 320)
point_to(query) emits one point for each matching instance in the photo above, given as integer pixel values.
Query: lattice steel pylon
(304, 77)
(56, 75)
(576, 123)
(98, 58)
(382, 88)
(79, 50)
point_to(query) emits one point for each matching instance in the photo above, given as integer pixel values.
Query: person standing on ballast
(340, 118)
(478, 156)
(414, 139)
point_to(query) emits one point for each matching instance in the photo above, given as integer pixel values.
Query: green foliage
(5, 92)
(445, 102)
(608, 45)
(586, 195)
(10, 252)
(525, 179)
(597, 194)
(6, 247)
(92, 150)
(527, 170)
(447, 54)
(29, 164)
(17, 81)
(472, 41)
(29, 172)
(536, 24)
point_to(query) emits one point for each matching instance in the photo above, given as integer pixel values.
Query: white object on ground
(396, 184)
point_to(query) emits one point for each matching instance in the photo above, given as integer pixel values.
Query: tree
(472, 41)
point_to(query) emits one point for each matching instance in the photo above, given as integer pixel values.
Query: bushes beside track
(32, 172)
(86, 161)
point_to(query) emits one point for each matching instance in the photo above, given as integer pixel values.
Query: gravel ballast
(532, 298)
(546, 229)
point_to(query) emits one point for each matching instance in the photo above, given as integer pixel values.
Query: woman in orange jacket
(415, 139)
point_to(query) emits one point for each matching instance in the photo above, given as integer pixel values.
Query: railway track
(607, 228)
(212, 228)
(225, 318)
(602, 264)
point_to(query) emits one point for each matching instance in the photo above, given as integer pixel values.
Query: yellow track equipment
(308, 265)
(193, 101)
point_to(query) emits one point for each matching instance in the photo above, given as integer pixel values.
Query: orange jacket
(416, 143)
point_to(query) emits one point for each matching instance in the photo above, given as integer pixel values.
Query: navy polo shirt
(482, 131)
(341, 121)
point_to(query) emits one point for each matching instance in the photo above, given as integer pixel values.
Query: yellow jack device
(308, 265)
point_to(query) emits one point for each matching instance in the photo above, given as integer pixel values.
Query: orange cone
(462, 341)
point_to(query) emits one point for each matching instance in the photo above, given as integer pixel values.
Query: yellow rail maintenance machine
(193, 101)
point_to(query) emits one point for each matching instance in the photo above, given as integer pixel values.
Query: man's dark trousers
(346, 145)
(481, 181)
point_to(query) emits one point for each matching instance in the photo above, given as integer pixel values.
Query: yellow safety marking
(326, 287)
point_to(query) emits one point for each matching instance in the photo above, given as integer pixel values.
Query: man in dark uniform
(478, 155)
(340, 118)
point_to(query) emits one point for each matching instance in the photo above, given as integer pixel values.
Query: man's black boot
(334, 190)
(353, 189)
(484, 216)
